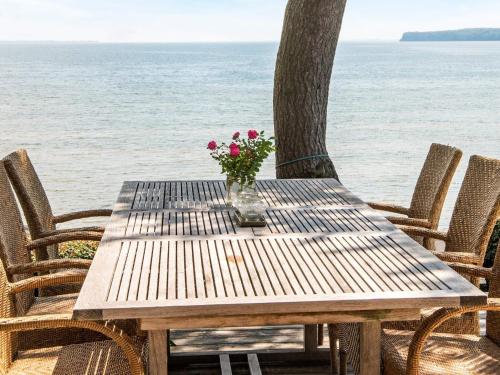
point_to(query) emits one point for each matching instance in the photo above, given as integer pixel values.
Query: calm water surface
(93, 115)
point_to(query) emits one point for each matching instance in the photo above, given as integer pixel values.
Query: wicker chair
(18, 354)
(424, 352)
(36, 206)
(430, 191)
(15, 249)
(22, 272)
(428, 197)
(476, 211)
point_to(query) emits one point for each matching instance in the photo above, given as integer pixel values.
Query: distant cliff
(453, 35)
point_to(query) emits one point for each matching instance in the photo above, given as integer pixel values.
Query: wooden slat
(154, 278)
(207, 269)
(253, 364)
(225, 364)
(147, 269)
(233, 261)
(163, 271)
(171, 276)
(198, 271)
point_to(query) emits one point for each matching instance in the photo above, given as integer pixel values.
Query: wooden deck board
(238, 339)
(242, 369)
(243, 340)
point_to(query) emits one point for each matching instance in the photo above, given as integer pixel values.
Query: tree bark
(301, 86)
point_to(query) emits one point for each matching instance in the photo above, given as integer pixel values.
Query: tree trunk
(301, 87)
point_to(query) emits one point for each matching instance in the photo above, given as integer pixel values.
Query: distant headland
(462, 35)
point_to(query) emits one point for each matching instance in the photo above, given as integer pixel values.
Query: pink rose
(236, 135)
(212, 145)
(252, 134)
(234, 150)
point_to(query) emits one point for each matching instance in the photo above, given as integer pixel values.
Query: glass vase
(232, 188)
(249, 203)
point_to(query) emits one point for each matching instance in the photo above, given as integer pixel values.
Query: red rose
(234, 150)
(236, 135)
(212, 145)
(252, 134)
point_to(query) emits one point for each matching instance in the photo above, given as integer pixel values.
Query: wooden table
(173, 257)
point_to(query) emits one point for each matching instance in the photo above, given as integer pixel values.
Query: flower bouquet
(241, 159)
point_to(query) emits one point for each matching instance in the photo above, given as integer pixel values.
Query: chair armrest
(413, 222)
(64, 237)
(472, 270)
(457, 257)
(80, 215)
(51, 279)
(429, 324)
(47, 265)
(382, 206)
(31, 323)
(50, 233)
(424, 232)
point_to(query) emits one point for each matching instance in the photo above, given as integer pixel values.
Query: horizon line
(51, 41)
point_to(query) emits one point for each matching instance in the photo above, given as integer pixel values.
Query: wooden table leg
(158, 352)
(320, 334)
(311, 338)
(333, 335)
(369, 348)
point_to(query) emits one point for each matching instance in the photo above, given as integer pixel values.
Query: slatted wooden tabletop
(174, 248)
(159, 195)
(173, 251)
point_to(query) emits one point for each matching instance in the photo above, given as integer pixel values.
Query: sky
(225, 20)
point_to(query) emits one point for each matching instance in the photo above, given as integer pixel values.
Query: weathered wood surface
(186, 277)
(221, 222)
(173, 257)
(158, 357)
(158, 195)
(323, 250)
(309, 318)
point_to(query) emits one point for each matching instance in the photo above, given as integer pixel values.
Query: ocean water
(94, 115)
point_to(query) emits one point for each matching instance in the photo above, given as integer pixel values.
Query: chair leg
(333, 336)
(343, 361)
(320, 334)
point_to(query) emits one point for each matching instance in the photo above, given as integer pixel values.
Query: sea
(92, 115)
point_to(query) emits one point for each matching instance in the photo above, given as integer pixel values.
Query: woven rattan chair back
(7, 340)
(32, 197)
(13, 249)
(477, 208)
(433, 183)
